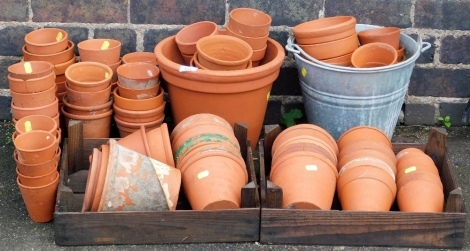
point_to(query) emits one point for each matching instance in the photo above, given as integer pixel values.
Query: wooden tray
(72, 227)
(352, 228)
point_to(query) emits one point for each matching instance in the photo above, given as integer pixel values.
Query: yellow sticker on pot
(410, 169)
(59, 36)
(268, 95)
(304, 72)
(105, 45)
(27, 126)
(27, 67)
(203, 174)
(311, 168)
(106, 75)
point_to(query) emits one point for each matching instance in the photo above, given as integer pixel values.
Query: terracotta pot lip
(136, 125)
(38, 187)
(314, 128)
(268, 19)
(86, 117)
(361, 127)
(85, 44)
(213, 76)
(245, 37)
(369, 175)
(129, 67)
(86, 108)
(33, 177)
(309, 154)
(159, 96)
(328, 43)
(70, 47)
(15, 156)
(28, 40)
(223, 39)
(375, 45)
(344, 21)
(191, 26)
(157, 86)
(29, 117)
(68, 89)
(141, 54)
(27, 134)
(88, 63)
(56, 100)
(379, 31)
(29, 94)
(357, 162)
(12, 70)
(137, 113)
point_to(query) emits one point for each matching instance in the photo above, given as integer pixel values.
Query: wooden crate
(353, 228)
(72, 227)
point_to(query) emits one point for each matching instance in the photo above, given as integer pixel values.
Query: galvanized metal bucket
(338, 98)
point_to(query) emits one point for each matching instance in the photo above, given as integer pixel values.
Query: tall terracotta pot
(94, 126)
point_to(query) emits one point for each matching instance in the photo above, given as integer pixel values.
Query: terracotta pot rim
(361, 127)
(129, 66)
(33, 79)
(68, 89)
(117, 97)
(86, 117)
(15, 157)
(321, 29)
(28, 94)
(29, 117)
(126, 57)
(191, 26)
(357, 162)
(11, 69)
(86, 108)
(379, 31)
(83, 44)
(27, 38)
(52, 58)
(120, 122)
(26, 134)
(56, 100)
(37, 177)
(309, 154)
(141, 113)
(228, 39)
(89, 63)
(38, 187)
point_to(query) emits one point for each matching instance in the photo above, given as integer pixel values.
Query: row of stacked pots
(361, 167)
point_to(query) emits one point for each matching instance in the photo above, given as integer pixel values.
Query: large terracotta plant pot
(40, 201)
(35, 147)
(94, 126)
(236, 96)
(106, 51)
(46, 41)
(88, 76)
(138, 75)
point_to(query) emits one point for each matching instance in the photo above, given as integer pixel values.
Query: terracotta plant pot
(105, 51)
(196, 120)
(86, 110)
(412, 163)
(388, 35)
(36, 122)
(50, 110)
(54, 58)
(126, 128)
(374, 55)
(136, 141)
(138, 104)
(159, 145)
(221, 52)
(88, 76)
(324, 29)
(400, 54)
(256, 43)
(408, 151)
(40, 201)
(243, 94)
(131, 93)
(139, 116)
(46, 41)
(187, 37)
(92, 179)
(38, 181)
(363, 133)
(420, 192)
(138, 75)
(114, 67)
(94, 126)
(25, 84)
(101, 178)
(30, 70)
(87, 98)
(31, 100)
(332, 49)
(37, 169)
(344, 60)
(59, 69)
(35, 147)
(249, 22)
(139, 56)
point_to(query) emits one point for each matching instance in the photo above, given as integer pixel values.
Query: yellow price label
(59, 36)
(106, 75)
(203, 174)
(410, 169)
(105, 45)
(311, 168)
(304, 72)
(27, 126)
(268, 95)
(27, 67)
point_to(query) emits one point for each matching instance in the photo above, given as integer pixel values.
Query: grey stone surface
(4, 64)
(454, 50)
(12, 39)
(440, 83)
(420, 114)
(14, 10)
(153, 36)
(5, 103)
(455, 112)
(273, 113)
(454, 15)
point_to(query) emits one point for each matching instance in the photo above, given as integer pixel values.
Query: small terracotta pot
(187, 58)
(139, 56)
(421, 162)
(138, 104)
(88, 76)
(31, 100)
(374, 55)
(37, 169)
(324, 30)
(31, 85)
(126, 128)
(359, 145)
(35, 147)
(400, 54)
(187, 37)
(220, 52)
(86, 110)
(50, 110)
(374, 154)
(332, 49)
(196, 120)
(388, 35)
(136, 141)
(256, 43)
(131, 93)
(105, 51)
(46, 41)
(160, 145)
(87, 98)
(114, 67)
(410, 151)
(92, 179)
(40, 201)
(36, 122)
(258, 54)
(344, 60)
(101, 178)
(30, 70)
(37, 181)
(420, 192)
(94, 126)
(138, 75)
(139, 116)
(363, 133)
(54, 58)
(249, 22)
(59, 69)
(294, 146)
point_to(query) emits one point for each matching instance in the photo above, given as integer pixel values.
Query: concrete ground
(18, 232)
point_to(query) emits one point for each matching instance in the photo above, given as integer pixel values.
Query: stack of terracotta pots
(251, 26)
(138, 98)
(88, 99)
(119, 166)
(187, 37)
(386, 37)
(37, 155)
(208, 155)
(418, 182)
(304, 161)
(102, 50)
(51, 45)
(367, 169)
(33, 90)
(332, 40)
(139, 56)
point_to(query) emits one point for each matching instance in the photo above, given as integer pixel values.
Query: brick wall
(440, 84)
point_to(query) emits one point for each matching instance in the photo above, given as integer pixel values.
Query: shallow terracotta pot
(54, 58)
(106, 51)
(138, 104)
(138, 75)
(35, 147)
(101, 178)
(363, 133)
(50, 110)
(388, 35)
(221, 52)
(126, 128)
(249, 22)
(40, 201)
(187, 37)
(94, 126)
(31, 85)
(37, 169)
(243, 94)
(35, 99)
(256, 43)
(37, 181)
(374, 55)
(86, 110)
(46, 41)
(332, 49)
(36, 122)
(308, 180)
(139, 56)
(88, 76)
(131, 93)
(139, 116)
(160, 145)
(92, 179)
(420, 192)
(324, 29)
(87, 98)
